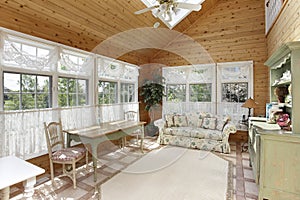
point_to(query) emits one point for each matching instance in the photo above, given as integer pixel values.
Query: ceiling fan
(165, 8)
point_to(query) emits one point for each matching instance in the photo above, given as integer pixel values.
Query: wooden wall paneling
(286, 28)
(232, 31)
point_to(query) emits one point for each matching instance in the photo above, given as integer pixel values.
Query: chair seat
(68, 154)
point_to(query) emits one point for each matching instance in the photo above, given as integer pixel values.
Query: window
(26, 91)
(107, 92)
(176, 93)
(234, 92)
(200, 92)
(21, 53)
(127, 92)
(72, 92)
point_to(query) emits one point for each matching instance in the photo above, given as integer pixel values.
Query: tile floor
(115, 160)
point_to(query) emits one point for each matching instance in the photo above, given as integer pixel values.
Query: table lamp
(249, 103)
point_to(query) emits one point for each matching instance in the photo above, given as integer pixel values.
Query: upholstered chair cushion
(68, 154)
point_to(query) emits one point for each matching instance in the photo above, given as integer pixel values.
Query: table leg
(29, 186)
(142, 138)
(95, 159)
(4, 193)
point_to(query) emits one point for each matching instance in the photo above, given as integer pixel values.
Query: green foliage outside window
(72, 92)
(200, 92)
(176, 93)
(107, 92)
(234, 92)
(24, 91)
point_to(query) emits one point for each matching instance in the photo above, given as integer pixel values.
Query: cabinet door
(280, 167)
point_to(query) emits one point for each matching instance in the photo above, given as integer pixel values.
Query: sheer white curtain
(234, 72)
(22, 132)
(193, 74)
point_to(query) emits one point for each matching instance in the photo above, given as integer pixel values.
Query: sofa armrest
(229, 128)
(160, 124)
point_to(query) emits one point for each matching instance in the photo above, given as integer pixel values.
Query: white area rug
(171, 173)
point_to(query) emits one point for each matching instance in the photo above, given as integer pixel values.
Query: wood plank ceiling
(85, 24)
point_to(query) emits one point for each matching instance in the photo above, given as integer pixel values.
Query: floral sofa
(196, 130)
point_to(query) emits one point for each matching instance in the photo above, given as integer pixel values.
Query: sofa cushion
(180, 121)
(169, 120)
(209, 123)
(179, 131)
(200, 133)
(194, 119)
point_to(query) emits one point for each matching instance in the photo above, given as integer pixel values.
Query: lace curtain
(19, 54)
(115, 70)
(190, 75)
(22, 132)
(114, 112)
(78, 64)
(234, 72)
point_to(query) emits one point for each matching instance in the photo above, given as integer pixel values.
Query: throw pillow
(204, 115)
(209, 123)
(180, 121)
(169, 120)
(194, 120)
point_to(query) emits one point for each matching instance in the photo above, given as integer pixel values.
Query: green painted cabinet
(279, 151)
(287, 58)
(279, 166)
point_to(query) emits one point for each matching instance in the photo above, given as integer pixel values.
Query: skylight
(175, 18)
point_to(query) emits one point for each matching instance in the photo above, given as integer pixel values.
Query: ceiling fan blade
(145, 10)
(188, 6)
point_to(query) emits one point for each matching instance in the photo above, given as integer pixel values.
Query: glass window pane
(43, 84)
(234, 92)
(43, 100)
(62, 100)
(107, 92)
(72, 85)
(200, 92)
(29, 49)
(28, 101)
(11, 101)
(42, 52)
(28, 83)
(72, 99)
(82, 86)
(11, 82)
(176, 93)
(62, 85)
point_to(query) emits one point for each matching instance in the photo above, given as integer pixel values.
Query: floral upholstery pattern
(209, 123)
(180, 121)
(194, 119)
(67, 155)
(169, 120)
(202, 131)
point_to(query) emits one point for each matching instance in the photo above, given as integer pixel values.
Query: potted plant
(152, 93)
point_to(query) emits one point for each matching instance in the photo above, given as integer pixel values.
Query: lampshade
(249, 103)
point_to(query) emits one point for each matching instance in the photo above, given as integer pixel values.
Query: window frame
(77, 94)
(21, 93)
(123, 98)
(116, 92)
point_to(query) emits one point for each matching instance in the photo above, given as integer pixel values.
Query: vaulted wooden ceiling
(85, 24)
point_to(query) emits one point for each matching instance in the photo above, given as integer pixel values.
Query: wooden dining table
(94, 135)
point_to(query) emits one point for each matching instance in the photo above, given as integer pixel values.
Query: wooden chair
(59, 154)
(133, 116)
